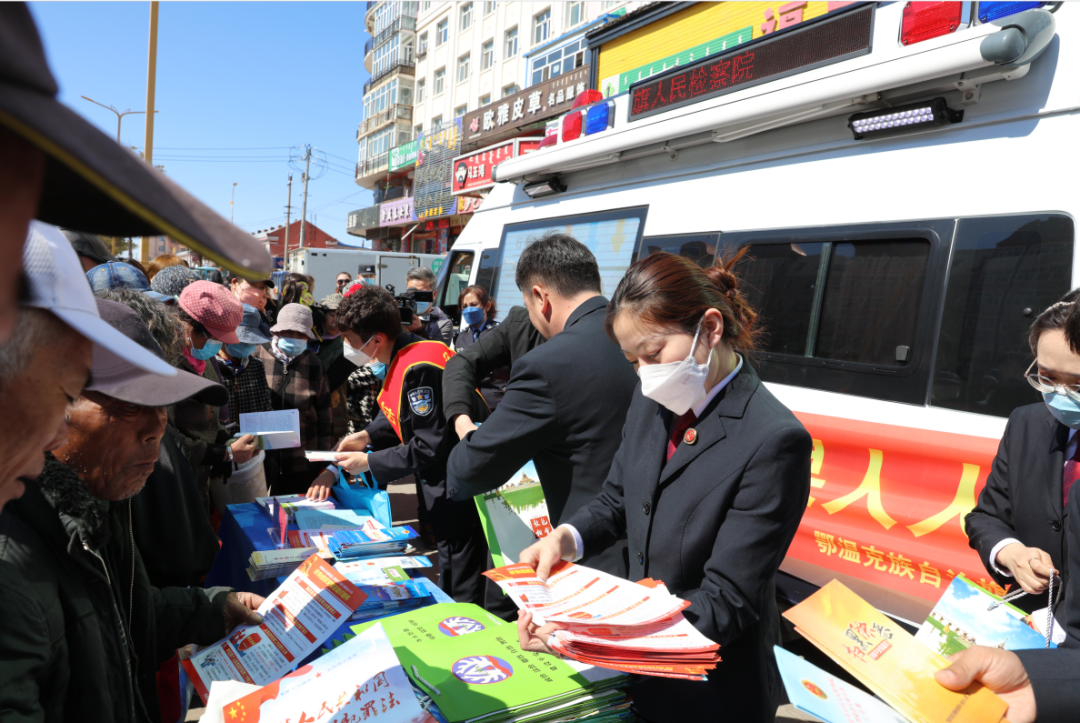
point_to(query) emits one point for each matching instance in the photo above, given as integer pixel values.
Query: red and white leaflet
(577, 594)
(299, 616)
(671, 634)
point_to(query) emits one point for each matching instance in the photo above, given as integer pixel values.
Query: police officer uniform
(410, 405)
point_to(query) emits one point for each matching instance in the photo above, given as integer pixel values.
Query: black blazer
(1055, 680)
(1022, 497)
(564, 409)
(713, 524)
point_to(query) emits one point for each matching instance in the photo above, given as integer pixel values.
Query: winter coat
(301, 385)
(83, 632)
(201, 433)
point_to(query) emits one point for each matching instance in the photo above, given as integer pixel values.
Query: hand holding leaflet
(275, 430)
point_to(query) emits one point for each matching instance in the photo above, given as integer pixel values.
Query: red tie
(683, 423)
(1072, 473)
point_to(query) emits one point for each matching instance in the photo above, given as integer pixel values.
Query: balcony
(369, 17)
(372, 166)
(397, 112)
(401, 61)
(403, 23)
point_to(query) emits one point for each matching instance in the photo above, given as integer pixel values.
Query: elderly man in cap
(256, 293)
(57, 167)
(113, 275)
(47, 360)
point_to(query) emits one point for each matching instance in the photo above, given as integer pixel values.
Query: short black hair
(561, 262)
(369, 310)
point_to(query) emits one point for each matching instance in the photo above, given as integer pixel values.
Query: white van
(909, 196)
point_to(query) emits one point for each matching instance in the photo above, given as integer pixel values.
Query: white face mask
(676, 385)
(356, 356)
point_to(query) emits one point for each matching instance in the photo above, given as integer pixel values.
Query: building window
(554, 63)
(489, 7)
(380, 99)
(575, 13)
(436, 124)
(442, 31)
(422, 45)
(463, 68)
(541, 27)
(466, 16)
(509, 90)
(511, 44)
(485, 100)
(487, 55)
(461, 110)
(440, 80)
(418, 130)
(425, 5)
(420, 86)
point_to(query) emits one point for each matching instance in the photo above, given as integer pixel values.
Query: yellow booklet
(888, 660)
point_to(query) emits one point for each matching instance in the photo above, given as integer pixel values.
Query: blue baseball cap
(249, 331)
(118, 275)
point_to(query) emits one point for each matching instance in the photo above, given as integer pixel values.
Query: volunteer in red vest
(410, 434)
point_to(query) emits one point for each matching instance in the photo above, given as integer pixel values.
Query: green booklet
(470, 663)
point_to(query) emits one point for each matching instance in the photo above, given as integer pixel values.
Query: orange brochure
(888, 660)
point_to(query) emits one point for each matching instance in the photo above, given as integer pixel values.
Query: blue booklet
(350, 544)
(813, 691)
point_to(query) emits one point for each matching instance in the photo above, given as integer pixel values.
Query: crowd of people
(659, 450)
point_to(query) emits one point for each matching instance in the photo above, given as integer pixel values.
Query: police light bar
(891, 121)
(989, 12)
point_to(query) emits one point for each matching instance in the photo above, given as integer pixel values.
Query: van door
(453, 281)
(392, 270)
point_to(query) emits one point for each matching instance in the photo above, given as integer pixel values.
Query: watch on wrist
(229, 453)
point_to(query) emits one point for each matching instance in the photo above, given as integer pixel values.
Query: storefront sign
(396, 213)
(822, 42)
(433, 194)
(470, 204)
(536, 103)
(404, 156)
(473, 172)
(363, 219)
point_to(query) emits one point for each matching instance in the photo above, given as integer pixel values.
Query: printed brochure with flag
(308, 607)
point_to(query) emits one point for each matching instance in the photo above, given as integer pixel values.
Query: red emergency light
(571, 126)
(926, 20)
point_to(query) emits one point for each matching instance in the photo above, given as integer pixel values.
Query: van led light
(989, 12)
(925, 20)
(599, 118)
(895, 120)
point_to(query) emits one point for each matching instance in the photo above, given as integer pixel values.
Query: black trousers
(462, 559)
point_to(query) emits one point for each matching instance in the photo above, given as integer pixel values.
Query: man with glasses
(1018, 525)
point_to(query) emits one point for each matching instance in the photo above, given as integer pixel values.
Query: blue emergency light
(989, 12)
(599, 117)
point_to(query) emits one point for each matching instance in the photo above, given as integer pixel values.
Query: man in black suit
(567, 399)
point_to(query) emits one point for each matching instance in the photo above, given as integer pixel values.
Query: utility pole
(151, 78)
(288, 217)
(305, 178)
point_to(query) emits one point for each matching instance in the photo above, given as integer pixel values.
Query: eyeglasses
(1047, 385)
(342, 282)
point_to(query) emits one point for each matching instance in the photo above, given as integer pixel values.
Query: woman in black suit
(1018, 525)
(708, 486)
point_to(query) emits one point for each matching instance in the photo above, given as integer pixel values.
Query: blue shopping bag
(363, 497)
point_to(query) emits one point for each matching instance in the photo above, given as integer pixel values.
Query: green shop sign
(404, 156)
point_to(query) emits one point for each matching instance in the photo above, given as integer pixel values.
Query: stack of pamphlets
(373, 540)
(291, 503)
(371, 570)
(611, 622)
(308, 539)
(263, 564)
(470, 666)
(391, 599)
(967, 615)
(320, 519)
(885, 658)
(308, 607)
(358, 680)
(824, 696)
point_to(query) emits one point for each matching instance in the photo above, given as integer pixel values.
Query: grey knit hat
(332, 302)
(294, 317)
(172, 280)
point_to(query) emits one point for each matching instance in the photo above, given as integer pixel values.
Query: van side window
(698, 247)
(457, 278)
(612, 236)
(1005, 271)
(851, 301)
(485, 275)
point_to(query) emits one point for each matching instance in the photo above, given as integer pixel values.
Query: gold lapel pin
(690, 437)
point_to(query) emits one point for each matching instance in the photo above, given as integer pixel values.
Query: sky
(241, 88)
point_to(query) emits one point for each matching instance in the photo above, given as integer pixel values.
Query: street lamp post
(232, 202)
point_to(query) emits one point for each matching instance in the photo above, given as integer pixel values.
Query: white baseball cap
(55, 281)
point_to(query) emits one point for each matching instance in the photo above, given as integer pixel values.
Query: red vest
(392, 395)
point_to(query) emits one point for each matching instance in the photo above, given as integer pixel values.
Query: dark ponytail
(1064, 315)
(663, 289)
